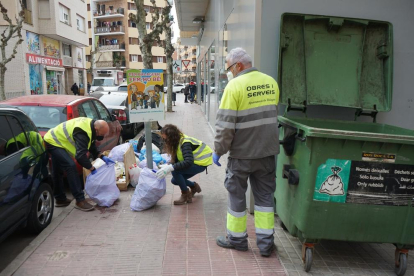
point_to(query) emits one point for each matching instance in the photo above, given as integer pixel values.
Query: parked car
(47, 111)
(178, 87)
(117, 104)
(123, 87)
(26, 195)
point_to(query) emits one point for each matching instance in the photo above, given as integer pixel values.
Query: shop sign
(32, 43)
(36, 59)
(145, 95)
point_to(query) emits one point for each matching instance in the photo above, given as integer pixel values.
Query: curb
(25, 254)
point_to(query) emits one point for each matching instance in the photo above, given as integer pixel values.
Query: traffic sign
(186, 62)
(177, 68)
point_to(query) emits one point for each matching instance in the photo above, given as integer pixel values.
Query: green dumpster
(342, 180)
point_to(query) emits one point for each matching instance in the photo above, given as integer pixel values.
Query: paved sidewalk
(180, 240)
(164, 240)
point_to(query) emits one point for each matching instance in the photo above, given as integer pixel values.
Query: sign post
(146, 101)
(177, 68)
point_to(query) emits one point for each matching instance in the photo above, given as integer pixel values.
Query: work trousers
(62, 162)
(262, 177)
(181, 177)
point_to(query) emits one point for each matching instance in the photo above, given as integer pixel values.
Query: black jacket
(75, 89)
(81, 143)
(187, 150)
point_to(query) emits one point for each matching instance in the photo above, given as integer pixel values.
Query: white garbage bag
(149, 190)
(166, 157)
(101, 186)
(143, 164)
(134, 172)
(117, 153)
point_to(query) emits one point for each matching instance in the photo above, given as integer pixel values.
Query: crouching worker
(189, 157)
(73, 139)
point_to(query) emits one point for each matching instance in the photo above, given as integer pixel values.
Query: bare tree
(160, 23)
(13, 30)
(168, 50)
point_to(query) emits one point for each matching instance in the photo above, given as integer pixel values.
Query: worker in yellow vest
(189, 156)
(72, 140)
(246, 127)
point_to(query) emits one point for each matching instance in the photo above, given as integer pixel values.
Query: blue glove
(216, 159)
(94, 171)
(107, 160)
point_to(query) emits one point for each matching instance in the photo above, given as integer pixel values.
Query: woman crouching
(189, 157)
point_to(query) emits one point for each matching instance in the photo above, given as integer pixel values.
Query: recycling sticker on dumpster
(332, 181)
(346, 181)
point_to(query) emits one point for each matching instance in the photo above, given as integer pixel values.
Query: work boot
(184, 198)
(268, 252)
(62, 203)
(84, 206)
(225, 243)
(195, 189)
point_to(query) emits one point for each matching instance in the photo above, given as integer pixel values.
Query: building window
(132, 24)
(132, 7)
(133, 41)
(67, 50)
(88, 7)
(160, 59)
(147, 8)
(64, 14)
(134, 58)
(80, 23)
(89, 24)
(148, 25)
(44, 9)
(90, 41)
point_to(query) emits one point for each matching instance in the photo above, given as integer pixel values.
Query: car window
(118, 100)
(103, 112)
(103, 82)
(123, 88)
(12, 136)
(45, 117)
(87, 109)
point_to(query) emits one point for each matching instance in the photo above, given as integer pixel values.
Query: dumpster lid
(350, 130)
(336, 61)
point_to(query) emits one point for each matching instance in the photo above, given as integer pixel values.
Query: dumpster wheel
(400, 263)
(307, 256)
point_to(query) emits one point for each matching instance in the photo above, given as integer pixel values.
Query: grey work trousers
(262, 176)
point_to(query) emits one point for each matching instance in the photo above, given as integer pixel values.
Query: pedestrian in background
(186, 93)
(189, 157)
(193, 90)
(246, 127)
(88, 86)
(75, 89)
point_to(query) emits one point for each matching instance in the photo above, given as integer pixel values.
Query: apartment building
(187, 54)
(52, 56)
(114, 38)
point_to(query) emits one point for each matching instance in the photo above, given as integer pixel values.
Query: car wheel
(41, 212)
(182, 90)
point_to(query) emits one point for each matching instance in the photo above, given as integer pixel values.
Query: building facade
(52, 55)
(221, 25)
(113, 38)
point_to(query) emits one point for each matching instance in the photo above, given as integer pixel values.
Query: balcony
(116, 30)
(117, 13)
(111, 64)
(28, 17)
(112, 48)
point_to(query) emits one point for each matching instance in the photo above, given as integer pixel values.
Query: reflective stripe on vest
(264, 220)
(237, 223)
(202, 154)
(62, 135)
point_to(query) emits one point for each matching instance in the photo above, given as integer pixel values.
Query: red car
(47, 111)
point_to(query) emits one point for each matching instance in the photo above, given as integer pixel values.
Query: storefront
(255, 25)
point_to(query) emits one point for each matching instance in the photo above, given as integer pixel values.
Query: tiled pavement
(180, 240)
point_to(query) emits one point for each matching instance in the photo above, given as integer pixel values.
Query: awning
(52, 68)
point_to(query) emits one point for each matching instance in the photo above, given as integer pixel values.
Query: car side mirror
(114, 117)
